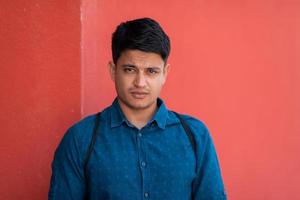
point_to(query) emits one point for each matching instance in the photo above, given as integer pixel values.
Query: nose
(140, 80)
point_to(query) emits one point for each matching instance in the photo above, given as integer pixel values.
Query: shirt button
(143, 164)
(146, 194)
(139, 134)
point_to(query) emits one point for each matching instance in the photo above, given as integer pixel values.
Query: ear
(166, 72)
(112, 70)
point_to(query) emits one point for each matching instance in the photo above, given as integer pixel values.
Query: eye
(152, 71)
(129, 70)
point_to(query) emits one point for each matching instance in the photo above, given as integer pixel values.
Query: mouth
(139, 95)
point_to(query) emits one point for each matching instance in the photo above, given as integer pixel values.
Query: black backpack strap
(92, 143)
(187, 131)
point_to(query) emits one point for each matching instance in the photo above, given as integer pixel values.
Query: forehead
(140, 59)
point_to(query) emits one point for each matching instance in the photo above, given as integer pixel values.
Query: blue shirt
(156, 162)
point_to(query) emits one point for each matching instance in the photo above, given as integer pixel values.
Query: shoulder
(83, 128)
(198, 128)
(196, 125)
(76, 139)
(78, 134)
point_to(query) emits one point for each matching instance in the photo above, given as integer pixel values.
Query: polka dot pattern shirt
(156, 162)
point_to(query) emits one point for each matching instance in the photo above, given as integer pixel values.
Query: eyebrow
(133, 66)
(129, 65)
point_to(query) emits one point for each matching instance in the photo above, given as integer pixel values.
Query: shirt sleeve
(67, 180)
(208, 184)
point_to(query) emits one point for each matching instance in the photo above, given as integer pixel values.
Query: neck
(138, 117)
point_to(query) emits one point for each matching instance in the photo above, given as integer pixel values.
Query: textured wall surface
(40, 90)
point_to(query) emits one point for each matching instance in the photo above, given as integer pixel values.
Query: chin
(140, 105)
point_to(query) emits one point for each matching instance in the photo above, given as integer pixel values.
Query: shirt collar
(160, 117)
(118, 117)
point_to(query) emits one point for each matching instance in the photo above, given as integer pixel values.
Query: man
(136, 148)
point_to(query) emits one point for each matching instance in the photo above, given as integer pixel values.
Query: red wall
(235, 65)
(40, 90)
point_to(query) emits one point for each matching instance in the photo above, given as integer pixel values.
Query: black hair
(144, 34)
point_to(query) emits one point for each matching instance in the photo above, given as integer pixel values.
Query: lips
(139, 95)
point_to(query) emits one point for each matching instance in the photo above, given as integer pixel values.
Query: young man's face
(139, 77)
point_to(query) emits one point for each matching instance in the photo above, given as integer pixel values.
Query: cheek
(157, 85)
(122, 82)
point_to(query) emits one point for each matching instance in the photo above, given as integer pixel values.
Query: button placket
(143, 164)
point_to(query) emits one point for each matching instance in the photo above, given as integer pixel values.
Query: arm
(208, 184)
(67, 180)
